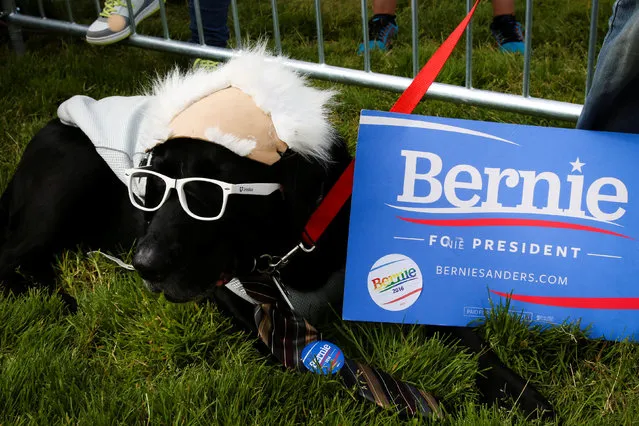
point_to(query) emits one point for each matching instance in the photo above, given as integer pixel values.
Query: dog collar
(237, 288)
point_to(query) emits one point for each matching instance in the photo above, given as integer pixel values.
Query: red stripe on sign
(576, 302)
(403, 297)
(511, 222)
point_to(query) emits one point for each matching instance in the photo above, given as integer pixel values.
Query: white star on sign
(577, 165)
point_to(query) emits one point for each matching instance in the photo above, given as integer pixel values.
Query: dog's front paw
(69, 302)
(532, 402)
(500, 383)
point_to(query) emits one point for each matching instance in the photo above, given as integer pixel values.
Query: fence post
(15, 31)
(276, 27)
(469, 49)
(320, 32)
(69, 11)
(592, 41)
(236, 25)
(367, 54)
(527, 47)
(415, 33)
(41, 9)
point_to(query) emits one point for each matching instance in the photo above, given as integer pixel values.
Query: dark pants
(613, 101)
(214, 16)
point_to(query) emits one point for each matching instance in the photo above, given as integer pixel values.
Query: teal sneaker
(382, 29)
(508, 33)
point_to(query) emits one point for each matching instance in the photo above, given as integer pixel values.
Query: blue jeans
(214, 16)
(613, 101)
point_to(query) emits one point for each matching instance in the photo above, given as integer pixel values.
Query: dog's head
(185, 257)
(255, 188)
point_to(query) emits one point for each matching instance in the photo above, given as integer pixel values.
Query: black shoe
(508, 34)
(381, 31)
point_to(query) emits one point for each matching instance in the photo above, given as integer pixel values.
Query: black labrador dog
(63, 195)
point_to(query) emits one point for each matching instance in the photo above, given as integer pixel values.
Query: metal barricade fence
(466, 94)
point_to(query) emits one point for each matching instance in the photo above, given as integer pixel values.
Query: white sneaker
(114, 24)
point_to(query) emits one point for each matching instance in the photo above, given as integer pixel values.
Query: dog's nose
(149, 264)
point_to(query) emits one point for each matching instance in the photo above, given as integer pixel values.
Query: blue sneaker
(381, 31)
(508, 33)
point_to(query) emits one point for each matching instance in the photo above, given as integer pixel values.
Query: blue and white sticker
(322, 357)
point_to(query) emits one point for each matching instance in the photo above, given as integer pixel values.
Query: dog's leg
(17, 250)
(34, 269)
(497, 381)
(62, 196)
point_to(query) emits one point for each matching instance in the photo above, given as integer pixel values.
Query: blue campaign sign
(448, 213)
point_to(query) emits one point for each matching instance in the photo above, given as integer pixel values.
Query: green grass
(130, 358)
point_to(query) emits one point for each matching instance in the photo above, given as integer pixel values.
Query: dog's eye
(152, 186)
(204, 198)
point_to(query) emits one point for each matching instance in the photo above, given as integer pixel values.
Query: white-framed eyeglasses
(201, 198)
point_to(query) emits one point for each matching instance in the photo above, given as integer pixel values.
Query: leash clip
(283, 261)
(275, 263)
(273, 266)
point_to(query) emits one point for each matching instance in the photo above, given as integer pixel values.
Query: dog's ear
(306, 180)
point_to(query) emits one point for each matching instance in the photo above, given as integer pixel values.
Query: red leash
(341, 191)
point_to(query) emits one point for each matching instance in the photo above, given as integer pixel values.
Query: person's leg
(613, 100)
(114, 23)
(505, 28)
(384, 7)
(214, 18)
(503, 7)
(382, 27)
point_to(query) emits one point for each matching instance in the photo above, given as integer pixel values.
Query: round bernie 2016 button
(322, 357)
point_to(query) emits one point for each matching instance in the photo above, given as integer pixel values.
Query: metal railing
(466, 94)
